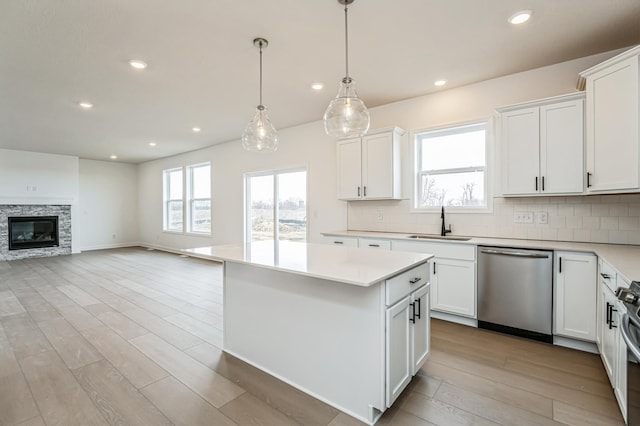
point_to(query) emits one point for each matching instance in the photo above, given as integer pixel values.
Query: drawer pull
(415, 280)
(605, 276)
(413, 313)
(374, 245)
(338, 242)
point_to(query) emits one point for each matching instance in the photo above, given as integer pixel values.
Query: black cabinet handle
(560, 265)
(608, 316)
(338, 242)
(374, 245)
(605, 276)
(611, 311)
(588, 180)
(536, 183)
(543, 183)
(358, 191)
(417, 315)
(415, 280)
(365, 191)
(434, 268)
(413, 314)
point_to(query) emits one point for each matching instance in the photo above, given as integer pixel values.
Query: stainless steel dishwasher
(515, 291)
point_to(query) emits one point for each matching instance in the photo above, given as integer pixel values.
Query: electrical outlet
(523, 217)
(380, 216)
(543, 218)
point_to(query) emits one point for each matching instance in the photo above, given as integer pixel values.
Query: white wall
(308, 145)
(305, 145)
(37, 178)
(108, 205)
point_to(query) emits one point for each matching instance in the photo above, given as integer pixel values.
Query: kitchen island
(348, 326)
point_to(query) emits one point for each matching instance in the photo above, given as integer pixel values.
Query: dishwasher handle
(626, 336)
(515, 253)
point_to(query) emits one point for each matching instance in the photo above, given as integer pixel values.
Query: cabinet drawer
(374, 243)
(401, 285)
(341, 241)
(607, 274)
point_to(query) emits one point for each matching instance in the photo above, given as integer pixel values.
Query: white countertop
(349, 265)
(624, 258)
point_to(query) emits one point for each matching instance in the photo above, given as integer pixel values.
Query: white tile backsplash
(598, 218)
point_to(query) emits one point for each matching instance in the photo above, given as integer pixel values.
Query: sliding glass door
(276, 205)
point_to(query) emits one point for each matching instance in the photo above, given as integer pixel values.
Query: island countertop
(350, 265)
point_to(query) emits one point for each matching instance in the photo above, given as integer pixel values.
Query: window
(199, 192)
(289, 188)
(173, 202)
(451, 168)
(197, 208)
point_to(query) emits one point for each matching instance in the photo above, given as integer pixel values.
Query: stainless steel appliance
(630, 330)
(515, 291)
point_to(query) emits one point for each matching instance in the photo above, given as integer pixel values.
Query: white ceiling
(203, 67)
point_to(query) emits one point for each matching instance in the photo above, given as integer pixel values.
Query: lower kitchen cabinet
(340, 241)
(407, 345)
(453, 284)
(453, 275)
(575, 295)
(374, 243)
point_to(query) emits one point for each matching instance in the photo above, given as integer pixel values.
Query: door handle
(588, 180)
(560, 265)
(365, 191)
(358, 191)
(536, 183)
(543, 183)
(413, 314)
(417, 315)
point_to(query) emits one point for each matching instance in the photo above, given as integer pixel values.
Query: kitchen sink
(438, 237)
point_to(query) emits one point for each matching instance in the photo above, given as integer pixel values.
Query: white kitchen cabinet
(543, 146)
(420, 326)
(575, 295)
(340, 241)
(610, 335)
(369, 167)
(620, 388)
(374, 243)
(453, 275)
(453, 287)
(612, 125)
(398, 348)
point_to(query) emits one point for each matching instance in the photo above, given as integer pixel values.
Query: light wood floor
(132, 336)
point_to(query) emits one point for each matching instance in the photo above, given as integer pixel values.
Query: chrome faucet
(444, 231)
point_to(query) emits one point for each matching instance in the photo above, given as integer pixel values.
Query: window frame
(247, 199)
(189, 201)
(417, 174)
(167, 200)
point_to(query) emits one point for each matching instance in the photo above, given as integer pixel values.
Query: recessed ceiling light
(152, 144)
(520, 17)
(317, 86)
(85, 105)
(440, 83)
(138, 64)
(196, 129)
(113, 157)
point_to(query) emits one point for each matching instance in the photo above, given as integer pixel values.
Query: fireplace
(28, 232)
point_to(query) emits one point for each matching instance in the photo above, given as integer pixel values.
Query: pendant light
(346, 116)
(260, 135)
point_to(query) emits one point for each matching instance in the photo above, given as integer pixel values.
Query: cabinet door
(374, 243)
(340, 241)
(453, 287)
(612, 127)
(398, 351)
(377, 166)
(620, 388)
(521, 152)
(610, 334)
(420, 329)
(576, 294)
(349, 169)
(562, 147)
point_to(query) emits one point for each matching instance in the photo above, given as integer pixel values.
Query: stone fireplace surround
(64, 229)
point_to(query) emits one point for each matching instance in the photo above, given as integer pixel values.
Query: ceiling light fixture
(440, 83)
(195, 129)
(317, 86)
(260, 135)
(346, 116)
(85, 105)
(520, 17)
(113, 157)
(152, 143)
(138, 64)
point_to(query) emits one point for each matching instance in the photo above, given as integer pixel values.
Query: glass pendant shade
(260, 135)
(346, 116)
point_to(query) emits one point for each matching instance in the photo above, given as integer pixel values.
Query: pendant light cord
(346, 41)
(260, 73)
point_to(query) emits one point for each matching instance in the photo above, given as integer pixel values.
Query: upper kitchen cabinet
(369, 167)
(543, 146)
(613, 98)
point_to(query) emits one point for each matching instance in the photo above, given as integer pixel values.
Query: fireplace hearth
(33, 232)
